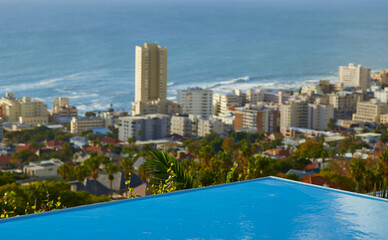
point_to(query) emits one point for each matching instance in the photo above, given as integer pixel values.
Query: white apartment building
(143, 128)
(79, 124)
(319, 116)
(184, 125)
(254, 95)
(381, 94)
(26, 110)
(196, 101)
(46, 168)
(193, 125)
(223, 101)
(370, 111)
(206, 126)
(355, 76)
(150, 79)
(278, 97)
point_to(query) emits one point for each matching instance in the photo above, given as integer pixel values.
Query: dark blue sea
(85, 49)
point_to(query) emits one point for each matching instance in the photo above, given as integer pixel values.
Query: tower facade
(150, 79)
(356, 76)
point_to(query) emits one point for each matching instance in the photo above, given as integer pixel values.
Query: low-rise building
(292, 132)
(46, 168)
(79, 124)
(369, 137)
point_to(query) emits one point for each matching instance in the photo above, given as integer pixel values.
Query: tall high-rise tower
(150, 79)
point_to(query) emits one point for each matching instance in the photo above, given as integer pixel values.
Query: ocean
(85, 49)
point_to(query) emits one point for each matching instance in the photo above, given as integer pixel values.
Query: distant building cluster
(325, 110)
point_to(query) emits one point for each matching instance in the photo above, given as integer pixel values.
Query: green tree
(357, 169)
(159, 162)
(81, 172)
(110, 170)
(25, 156)
(126, 164)
(93, 164)
(332, 123)
(65, 172)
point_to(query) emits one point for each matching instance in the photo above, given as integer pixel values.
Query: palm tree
(127, 165)
(93, 164)
(81, 173)
(159, 162)
(357, 169)
(110, 170)
(384, 164)
(64, 171)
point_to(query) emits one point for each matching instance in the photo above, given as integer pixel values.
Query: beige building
(302, 114)
(26, 110)
(383, 118)
(150, 79)
(174, 108)
(294, 114)
(355, 76)
(370, 111)
(344, 103)
(381, 76)
(261, 118)
(62, 109)
(79, 124)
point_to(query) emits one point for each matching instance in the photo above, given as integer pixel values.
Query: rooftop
(263, 208)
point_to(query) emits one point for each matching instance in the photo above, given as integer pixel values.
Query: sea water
(85, 49)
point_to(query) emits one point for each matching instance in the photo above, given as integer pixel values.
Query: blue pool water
(264, 208)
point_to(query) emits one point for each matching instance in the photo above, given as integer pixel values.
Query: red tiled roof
(111, 140)
(6, 159)
(55, 143)
(27, 147)
(319, 180)
(94, 149)
(70, 164)
(312, 165)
